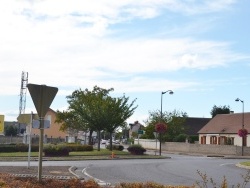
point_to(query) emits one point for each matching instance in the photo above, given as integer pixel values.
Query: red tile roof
(226, 123)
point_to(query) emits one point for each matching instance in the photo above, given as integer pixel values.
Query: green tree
(88, 106)
(220, 110)
(10, 131)
(174, 120)
(117, 111)
(97, 110)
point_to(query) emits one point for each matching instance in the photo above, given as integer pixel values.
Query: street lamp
(162, 93)
(237, 100)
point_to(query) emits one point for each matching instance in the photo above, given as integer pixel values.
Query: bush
(25, 182)
(77, 147)
(56, 151)
(193, 138)
(22, 147)
(180, 138)
(136, 149)
(8, 148)
(115, 147)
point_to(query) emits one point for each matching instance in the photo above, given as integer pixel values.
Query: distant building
(134, 127)
(223, 130)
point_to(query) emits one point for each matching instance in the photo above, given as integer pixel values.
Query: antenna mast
(22, 102)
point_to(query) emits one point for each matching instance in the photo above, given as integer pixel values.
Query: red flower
(160, 127)
(242, 132)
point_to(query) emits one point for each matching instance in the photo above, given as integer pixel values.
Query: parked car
(113, 142)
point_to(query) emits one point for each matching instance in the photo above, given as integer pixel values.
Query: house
(223, 130)
(134, 128)
(193, 124)
(51, 134)
(54, 130)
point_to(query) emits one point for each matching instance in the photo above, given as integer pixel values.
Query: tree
(174, 120)
(71, 122)
(97, 110)
(10, 131)
(85, 107)
(220, 110)
(117, 111)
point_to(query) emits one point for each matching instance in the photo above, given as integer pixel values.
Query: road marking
(226, 164)
(100, 182)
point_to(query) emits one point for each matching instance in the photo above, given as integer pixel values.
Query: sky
(199, 49)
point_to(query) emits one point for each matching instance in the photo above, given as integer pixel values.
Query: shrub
(180, 138)
(115, 147)
(136, 149)
(25, 182)
(8, 148)
(193, 138)
(55, 151)
(22, 147)
(77, 147)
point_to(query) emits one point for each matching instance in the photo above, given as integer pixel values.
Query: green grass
(78, 153)
(245, 163)
(18, 154)
(86, 155)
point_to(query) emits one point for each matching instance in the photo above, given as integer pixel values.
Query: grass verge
(103, 154)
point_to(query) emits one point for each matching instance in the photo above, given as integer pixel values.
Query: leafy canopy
(220, 110)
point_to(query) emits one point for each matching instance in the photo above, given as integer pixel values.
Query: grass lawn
(80, 155)
(245, 163)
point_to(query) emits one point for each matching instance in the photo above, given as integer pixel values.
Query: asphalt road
(179, 170)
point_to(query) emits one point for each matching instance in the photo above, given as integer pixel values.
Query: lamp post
(237, 100)
(162, 93)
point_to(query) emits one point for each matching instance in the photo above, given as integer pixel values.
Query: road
(178, 170)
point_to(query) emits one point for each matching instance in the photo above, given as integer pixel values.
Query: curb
(72, 171)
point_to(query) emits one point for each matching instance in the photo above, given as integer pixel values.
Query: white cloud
(65, 44)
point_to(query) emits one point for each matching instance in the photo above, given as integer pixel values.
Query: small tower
(22, 102)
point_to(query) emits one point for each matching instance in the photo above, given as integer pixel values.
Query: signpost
(42, 97)
(140, 131)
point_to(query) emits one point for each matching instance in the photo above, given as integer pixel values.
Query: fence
(193, 148)
(25, 139)
(11, 139)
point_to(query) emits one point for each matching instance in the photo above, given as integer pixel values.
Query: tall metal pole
(243, 137)
(30, 142)
(161, 120)
(40, 150)
(242, 152)
(160, 134)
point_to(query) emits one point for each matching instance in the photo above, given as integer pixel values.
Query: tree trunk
(99, 140)
(90, 137)
(110, 142)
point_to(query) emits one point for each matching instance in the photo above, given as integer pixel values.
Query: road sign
(25, 118)
(36, 124)
(42, 97)
(140, 131)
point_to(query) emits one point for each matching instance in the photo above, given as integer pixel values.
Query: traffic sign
(26, 118)
(42, 97)
(140, 131)
(36, 124)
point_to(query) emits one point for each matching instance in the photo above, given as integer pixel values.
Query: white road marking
(100, 182)
(226, 164)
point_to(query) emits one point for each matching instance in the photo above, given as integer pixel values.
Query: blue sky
(199, 49)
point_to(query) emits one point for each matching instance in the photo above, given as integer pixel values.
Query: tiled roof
(226, 123)
(194, 124)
